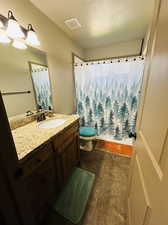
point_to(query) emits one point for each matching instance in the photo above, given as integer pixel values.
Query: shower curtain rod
(113, 58)
(110, 60)
(39, 70)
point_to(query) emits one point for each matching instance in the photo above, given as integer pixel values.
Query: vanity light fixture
(31, 36)
(4, 38)
(19, 44)
(13, 28)
(12, 31)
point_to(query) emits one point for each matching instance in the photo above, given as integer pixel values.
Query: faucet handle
(29, 113)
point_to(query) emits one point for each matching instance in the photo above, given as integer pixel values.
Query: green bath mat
(73, 199)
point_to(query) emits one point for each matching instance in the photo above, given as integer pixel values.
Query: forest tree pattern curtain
(108, 95)
(42, 86)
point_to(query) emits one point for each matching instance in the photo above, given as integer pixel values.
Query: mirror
(41, 85)
(24, 80)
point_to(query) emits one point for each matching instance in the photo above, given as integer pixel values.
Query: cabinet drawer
(39, 156)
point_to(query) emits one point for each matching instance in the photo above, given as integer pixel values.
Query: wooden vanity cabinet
(67, 152)
(29, 187)
(40, 181)
(42, 189)
(69, 156)
(48, 169)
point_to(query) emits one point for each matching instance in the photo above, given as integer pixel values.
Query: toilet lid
(87, 131)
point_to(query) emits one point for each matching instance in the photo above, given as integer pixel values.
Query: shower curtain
(108, 95)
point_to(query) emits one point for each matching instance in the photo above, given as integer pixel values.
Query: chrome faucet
(41, 116)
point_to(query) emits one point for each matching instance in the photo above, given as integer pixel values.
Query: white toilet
(87, 135)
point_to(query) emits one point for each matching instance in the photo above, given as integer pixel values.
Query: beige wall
(114, 50)
(15, 77)
(59, 50)
(58, 47)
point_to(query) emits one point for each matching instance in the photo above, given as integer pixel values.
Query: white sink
(52, 123)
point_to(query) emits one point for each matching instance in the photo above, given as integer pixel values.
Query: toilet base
(87, 143)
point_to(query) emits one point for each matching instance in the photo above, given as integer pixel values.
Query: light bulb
(32, 37)
(19, 44)
(13, 29)
(4, 38)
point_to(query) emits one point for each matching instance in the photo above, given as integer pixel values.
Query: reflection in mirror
(16, 81)
(25, 88)
(41, 84)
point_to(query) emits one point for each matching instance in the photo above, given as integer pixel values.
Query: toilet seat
(87, 134)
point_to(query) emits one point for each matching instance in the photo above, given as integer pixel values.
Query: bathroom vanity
(47, 157)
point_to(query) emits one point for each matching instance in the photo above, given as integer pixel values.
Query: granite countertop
(30, 136)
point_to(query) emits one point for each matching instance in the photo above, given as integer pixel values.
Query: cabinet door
(70, 155)
(42, 188)
(59, 170)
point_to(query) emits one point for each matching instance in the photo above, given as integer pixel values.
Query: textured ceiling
(103, 21)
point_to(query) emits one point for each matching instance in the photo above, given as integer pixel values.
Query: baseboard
(129, 212)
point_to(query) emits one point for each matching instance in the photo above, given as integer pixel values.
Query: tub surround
(30, 136)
